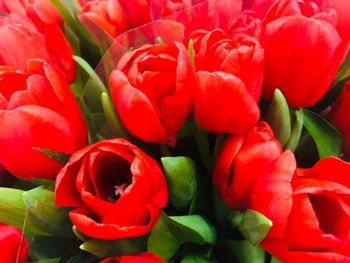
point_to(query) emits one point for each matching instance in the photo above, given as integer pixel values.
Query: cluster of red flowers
(231, 75)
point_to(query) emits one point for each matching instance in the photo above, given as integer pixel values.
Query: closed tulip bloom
(107, 15)
(241, 161)
(40, 11)
(18, 36)
(151, 91)
(228, 81)
(303, 51)
(37, 110)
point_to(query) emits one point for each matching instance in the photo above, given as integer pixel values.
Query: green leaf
(62, 158)
(191, 54)
(87, 42)
(235, 218)
(275, 260)
(182, 180)
(296, 131)
(91, 72)
(72, 6)
(79, 235)
(161, 241)
(278, 117)
(45, 215)
(72, 39)
(195, 259)
(53, 260)
(343, 72)
(327, 138)
(99, 120)
(192, 228)
(254, 226)
(13, 211)
(228, 250)
(109, 248)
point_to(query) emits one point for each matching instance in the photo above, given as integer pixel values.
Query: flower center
(119, 189)
(330, 214)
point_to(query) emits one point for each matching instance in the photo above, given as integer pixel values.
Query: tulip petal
(272, 194)
(39, 127)
(303, 79)
(135, 110)
(222, 103)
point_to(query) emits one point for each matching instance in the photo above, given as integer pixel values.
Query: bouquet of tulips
(154, 131)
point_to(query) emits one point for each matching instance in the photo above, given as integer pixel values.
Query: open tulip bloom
(154, 131)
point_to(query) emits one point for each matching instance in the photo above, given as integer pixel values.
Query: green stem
(202, 141)
(89, 123)
(112, 117)
(220, 137)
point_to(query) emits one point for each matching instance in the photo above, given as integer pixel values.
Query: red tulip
(203, 14)
(145, 257)
(117, 189)
(106, 14)
(151, 91)
(342, 8)
(303, 51)
(248, 24)
(260, 7)
(320, 211)
(13, 245)
(340, 117)
(240, 55)
(228, 81)
(40, 11)
(37, 110)
(242, 160)
(18, 36)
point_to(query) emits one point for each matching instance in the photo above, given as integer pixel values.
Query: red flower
(228, 81)
(18, 36)
(144, 257)
(259, 6)
(203, 14)
(40, 11)
(320, 211)
(118, 190)
(242, 161)
(106, 14)
(151, 91)
(303, 51)
(342, 7)
(247, 23)
(340, 117)
(37, 110)
(13, 245)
